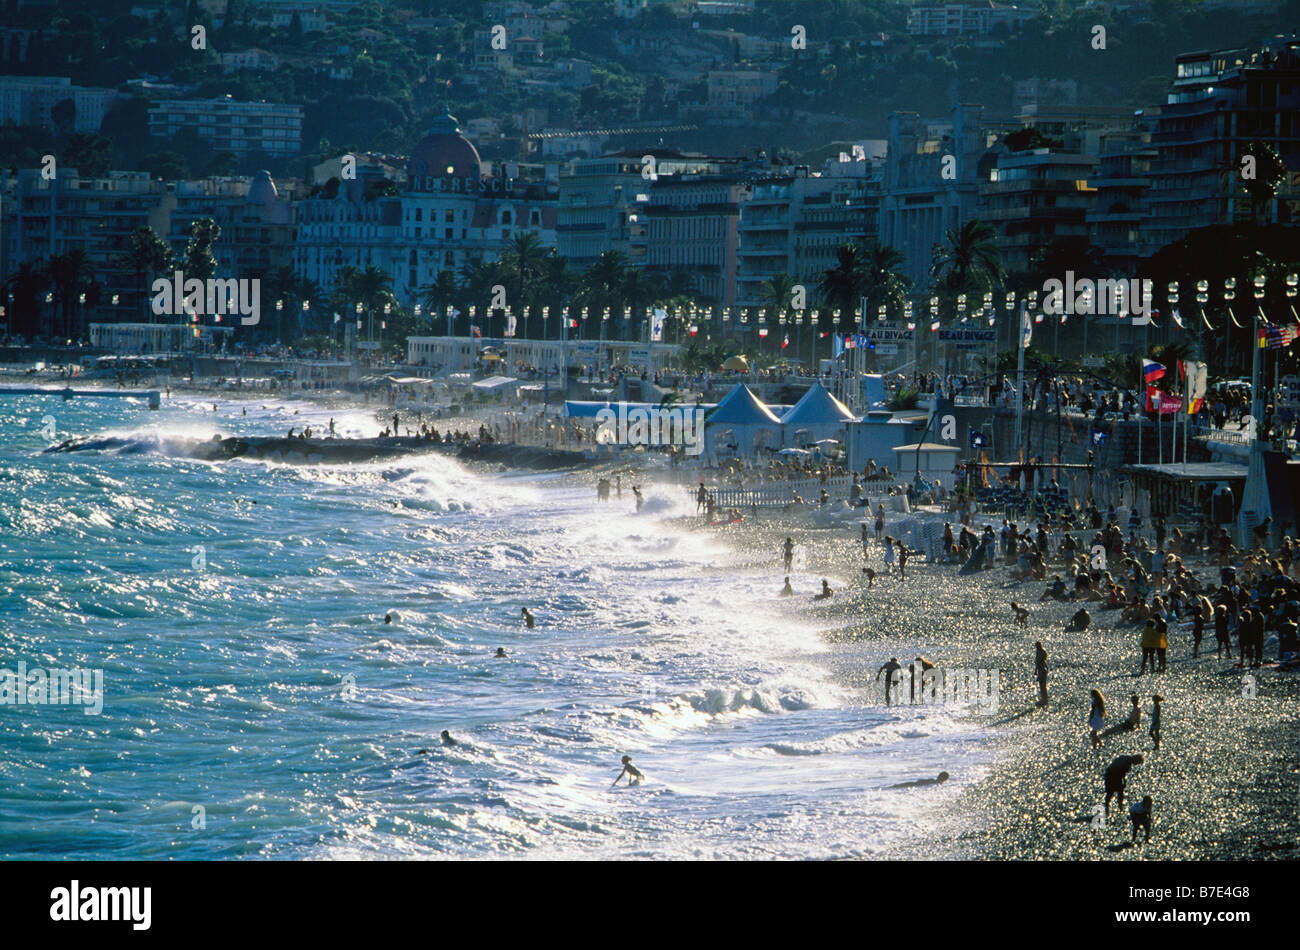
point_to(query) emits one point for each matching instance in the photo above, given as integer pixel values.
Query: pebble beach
(1225, 781)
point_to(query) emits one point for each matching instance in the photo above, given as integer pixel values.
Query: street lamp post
(1254, 500)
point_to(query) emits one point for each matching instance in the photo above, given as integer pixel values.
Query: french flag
(1151, 370)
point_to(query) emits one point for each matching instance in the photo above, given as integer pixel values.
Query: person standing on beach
(636, 492)
(1040, 671)
(1154, 731)
(902, 561)
(701, 496)
(880, 520)
(1140, 814)
(889, 669)
(1097, 716)
(1150, 641)
(787, 553)
(1221, 635)
(1116, 773)
(889, 554)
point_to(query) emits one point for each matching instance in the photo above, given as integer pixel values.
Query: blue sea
(256, 704)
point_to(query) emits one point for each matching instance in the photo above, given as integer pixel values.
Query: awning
(494, 382)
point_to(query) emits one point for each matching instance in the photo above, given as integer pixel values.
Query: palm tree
(968, 262)
(640, 290)
(604, 284)
(882, 280)
(199, 259)
(777, 292)
(477, 280)
(557, 285)
(70, 275)
(146, 254)
(27, 285)
(440, 294)
(841, 286)
(1270, 171)
(524, 260)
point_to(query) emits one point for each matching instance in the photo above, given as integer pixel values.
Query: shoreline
(1035, 800)
(1224, 781)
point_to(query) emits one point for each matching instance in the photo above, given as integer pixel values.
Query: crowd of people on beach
(1168, 584)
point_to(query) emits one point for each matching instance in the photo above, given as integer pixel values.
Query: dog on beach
(1022, 615)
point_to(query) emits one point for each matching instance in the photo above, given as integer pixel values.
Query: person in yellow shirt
(1151, 640)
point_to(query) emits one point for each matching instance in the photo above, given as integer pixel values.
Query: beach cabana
(740, 425)
(816, 417)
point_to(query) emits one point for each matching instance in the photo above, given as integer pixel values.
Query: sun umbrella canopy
(736, 362)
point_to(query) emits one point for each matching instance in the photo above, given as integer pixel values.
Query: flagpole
(1142, 389)
(1020, 373)
(1187, 409)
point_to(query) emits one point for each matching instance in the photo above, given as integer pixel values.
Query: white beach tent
(740, 425)
(817, 416)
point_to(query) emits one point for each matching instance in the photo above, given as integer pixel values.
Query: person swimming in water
(826, 593)
(787, 553)
(447, 740)
(636, 492)
(787, 590)
(527, 614)
(634, 776)
(922, 782)
(501, 653)
(388, 618)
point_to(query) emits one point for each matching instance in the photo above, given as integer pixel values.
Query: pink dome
(444, 152)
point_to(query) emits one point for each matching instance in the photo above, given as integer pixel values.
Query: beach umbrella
(736, 362)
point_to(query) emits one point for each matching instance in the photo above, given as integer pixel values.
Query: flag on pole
(785, 341)
(1151, 370)
(1197, 382)
(475, 333)
(337, 318)
(1178, 319)
(511, 323)
(934, 327)
(1026, 331)
(837, 345)
(848, 341)
(1274, 337)
(656, 325)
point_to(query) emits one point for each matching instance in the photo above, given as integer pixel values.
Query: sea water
(256, 704)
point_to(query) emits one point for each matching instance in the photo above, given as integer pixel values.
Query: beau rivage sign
(461, 184)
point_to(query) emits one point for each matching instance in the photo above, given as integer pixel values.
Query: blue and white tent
(740, 425)
(818, 415)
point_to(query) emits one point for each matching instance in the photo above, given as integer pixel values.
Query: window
(505, 217)
(418, 214)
